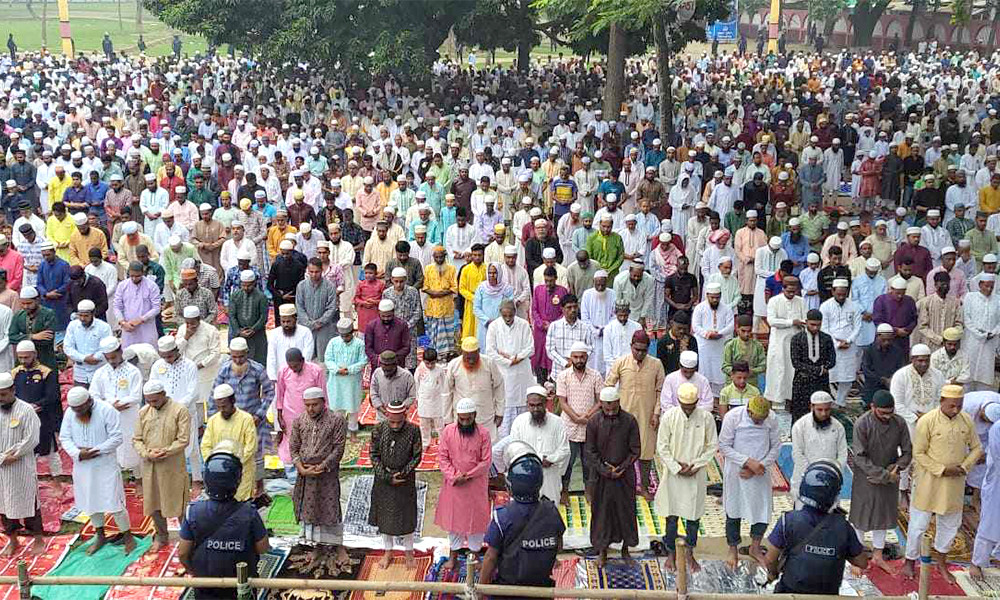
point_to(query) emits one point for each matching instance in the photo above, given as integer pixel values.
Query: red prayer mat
(397, 571)
(141, 524)
(564, 573)
(897, 585)
(368, 416)
(42, 465)
(162, 564)
(778, 481)
(54, 504)
(428, 461)
(56, 548)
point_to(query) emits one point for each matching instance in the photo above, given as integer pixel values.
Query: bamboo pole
(925, 566)
(680, 561)
(243, 590)
(23, 581)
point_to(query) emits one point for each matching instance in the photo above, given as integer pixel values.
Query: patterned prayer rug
(281, 516)
(961, 548)
(577, 517)
(110, 561)
(896, 585)
(299, 565)
(164, 563)
(439, 574)
(368, 416)
(141, 524)
(428, 461)
(359, 501)
(268, 566)
(352, 450)
(42, 464)
(54, 504)
(56, 548)
(713, 522)
(989, 587)
(397, 571)
(778, 481)
(641, 574)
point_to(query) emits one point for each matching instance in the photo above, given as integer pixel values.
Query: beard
(467, 430)
(822, 424)
(538, 420)
(7, 407)
(471, 367)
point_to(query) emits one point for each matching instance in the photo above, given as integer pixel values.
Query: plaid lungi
(442, 333)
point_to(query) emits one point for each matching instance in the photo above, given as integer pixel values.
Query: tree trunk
(138, 15)
(828, 26)
(863, 21)
(121, 23)
(523, 55)
(664, 81)
(918, 8)
(45, 23)
(614, 85)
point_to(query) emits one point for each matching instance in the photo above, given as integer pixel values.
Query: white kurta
(915, 394)
(6, 351)
(810, 443)
(739, 440)
(722, 321)
(617, 341)
(19, 431)
(597, 309)
(935, 239)
(97, 482)
(121, 385)
(981, 338)
(516, 343)
(691, 440)
(550, 443)
(843, 322)
(765, 265)
(202, 348)
(781, 312)
(278, 344)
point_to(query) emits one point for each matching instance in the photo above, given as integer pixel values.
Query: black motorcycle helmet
(223, 473)
(820, 485)
(524, 473)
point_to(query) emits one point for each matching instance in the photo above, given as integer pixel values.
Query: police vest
(530, 553)
(817, 566)
(222, 537)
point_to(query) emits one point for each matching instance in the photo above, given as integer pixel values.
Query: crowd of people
(231, 256)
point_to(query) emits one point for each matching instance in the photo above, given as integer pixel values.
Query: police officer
(816, 540)
(220, 532)
(525, 535)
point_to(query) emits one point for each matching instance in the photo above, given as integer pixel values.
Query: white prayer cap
(80, 218)
(223, 390)
(964, 243)
(180, 189)
(880, 223)
(611, 198)
(855, 223)
(465, 406)
(600, 273)
(579, 347)
(192, 312)
(536, 390)
(345, 324)
(992, 412)
(947, 250)
(841, 283)
(152, 387)
(6, 381)
(933, 213)
(989, 258)
(774, 243)
(536, 212)
(286, 245)
(399, 272)
(204, 205)
(901, 212)
(820, 397)
(238, 344)
(607, 217)
(174, 240)
(288, 310)
(510, 251)
(150, 177)
(898, 283)
(25, 346)
(631, 217)
(243, 253)
(751, 214)
(29, 292)
(783, 175)
(313, 393)
(912, 231)
(842, 226)
(920, 350)
(713, 288)
(77, 396)
(46, 246)
(665, 237)
(575, 207)
(884, 328)
(987, 277)
(794, 222)
(814, 139)
(369, 180)
(873, 263)
(549, 253)
(85, 306)
(386, 305)
(110, 344)
(130, 227)
(166, 343)
(812, 258)
(247, 275)
(609, 394)
(689, 359)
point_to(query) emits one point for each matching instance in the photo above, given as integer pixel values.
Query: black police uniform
(815, 546)
(224, 534)
(527, 536)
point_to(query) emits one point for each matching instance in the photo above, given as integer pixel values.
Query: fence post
(23, 582)
(680, 559)
(925, 566)
(470, 575)
(243, 590)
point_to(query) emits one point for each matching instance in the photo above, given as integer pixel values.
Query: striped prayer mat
(397, 571)
(989, 587)
(577, 517)
(268, 566)
(110, 561)
(56, 548)
(428, 461)
(141, 524)
(164, 563)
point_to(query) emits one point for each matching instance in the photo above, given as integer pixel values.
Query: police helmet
(524, 471)
(223, 472)
(820, 485)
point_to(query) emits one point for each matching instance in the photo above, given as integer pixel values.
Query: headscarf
(681, 195)
(719, 234)
(502, 288)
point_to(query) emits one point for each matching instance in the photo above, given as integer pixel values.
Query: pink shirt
(13, 263)
(957, 289)
(465, 508)
(288, 397)
(668, 397)
(581, 393)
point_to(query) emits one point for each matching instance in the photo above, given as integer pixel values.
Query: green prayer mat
(109, 561)
(281, 517)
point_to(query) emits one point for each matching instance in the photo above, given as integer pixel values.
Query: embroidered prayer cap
(884, 328)
(396, 407)
(192, 312)
(952, 391)
(77, 396)
(80, 219)
(820, 397)
(759, 406)
(920, 350)
(25, 346)
(990, 258)
(29, 292)
(465, 406)
(598, 274)
(399, 272)
(873, 264)
(288, 310)
(510, 251)
(812, 258)
(152, 387)
(713, 287)
(6, 381)
(85, 306)
(689, 359)
(952, 334)
(579, 347)
(313, 393)
(238, 344)
(345, 324)
(841, 283)
(166, 343)
(223, 390)
(386, 305)
(470, 344)
(774, 243)
(687, 393)
(609, 394)
(898, 283)
(110, 344)
(912, 231)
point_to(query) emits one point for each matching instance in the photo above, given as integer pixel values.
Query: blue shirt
(797, 251)
(82, 342)
(95, 198)
(54, 277)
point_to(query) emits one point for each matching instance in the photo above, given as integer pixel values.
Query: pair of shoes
(262, 501)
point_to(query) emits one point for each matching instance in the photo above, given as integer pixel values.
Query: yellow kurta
(468, 281)
(57, 187)
(440, 279)
(165, 481)
(59, 233)
(941, 442)
(242, 432)
(274, 236)
(640, 387)
(683, 439)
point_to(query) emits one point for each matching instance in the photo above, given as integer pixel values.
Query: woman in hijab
(682, 200)
(486, 303)
(662, 264)
(718, 246)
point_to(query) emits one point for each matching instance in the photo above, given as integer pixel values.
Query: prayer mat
(268, 566)
(786, 464)
(164, 563)
(352, 450)
(42, 465)
(281, 517)
(715, 577)
(298, 565)
(564, 573)
(577, 517)
(359, 502)
(713, 522)
(989, 587)
(428, 461)
(397, 571)
(56, 548)
(778, 481)
(961, 547)
(439, 574)
(110, 561)
(273, 463)
(368, 416)
(897, 585)
(714, 470)
(54, 504)
(141, 524)
(642, 574)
